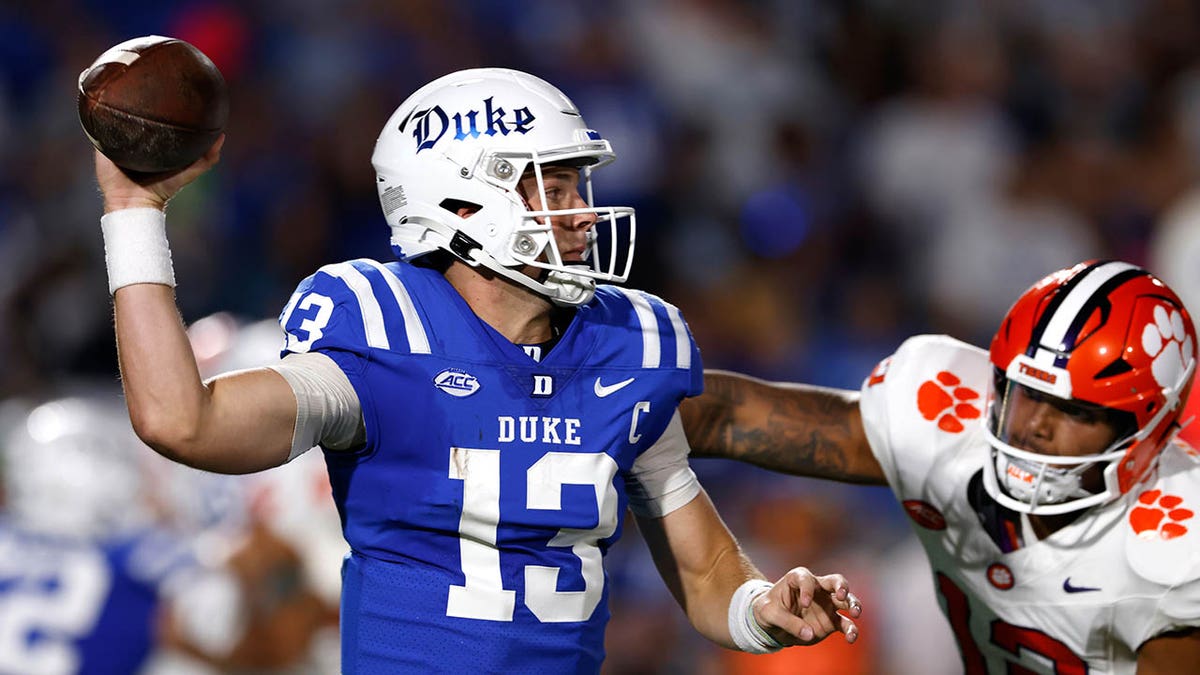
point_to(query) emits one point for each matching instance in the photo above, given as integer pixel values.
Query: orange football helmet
(1100, 338)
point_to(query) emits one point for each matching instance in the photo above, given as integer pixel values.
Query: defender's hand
(802, 608)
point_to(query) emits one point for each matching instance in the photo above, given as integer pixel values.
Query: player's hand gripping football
(803, 608)
(122, 191)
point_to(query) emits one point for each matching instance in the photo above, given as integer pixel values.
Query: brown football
(153, 104)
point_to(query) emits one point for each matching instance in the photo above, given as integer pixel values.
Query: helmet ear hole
(456, 206)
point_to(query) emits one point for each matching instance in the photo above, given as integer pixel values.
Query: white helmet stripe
(1053, 338)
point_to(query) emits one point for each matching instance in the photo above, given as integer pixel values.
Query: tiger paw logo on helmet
(942, 399)
(1167, 342)
(1159, 516)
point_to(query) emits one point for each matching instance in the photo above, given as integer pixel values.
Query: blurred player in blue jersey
(488, 406)
(98, 573)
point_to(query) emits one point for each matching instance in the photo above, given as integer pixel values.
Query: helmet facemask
(608, 253)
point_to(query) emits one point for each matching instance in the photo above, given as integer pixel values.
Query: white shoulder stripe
(683, 346)
(372, 315)
(651, 350)
(418, 340)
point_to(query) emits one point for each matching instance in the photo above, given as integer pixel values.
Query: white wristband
(743, 627)
(136, 249)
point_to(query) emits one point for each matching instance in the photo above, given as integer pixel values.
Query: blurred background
(815, 181)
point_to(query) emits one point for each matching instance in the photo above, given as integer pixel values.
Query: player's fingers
(840, 596)
(784, 625)
(214, 152)
(805, 626)
(801, 584)
(208, 159)
(853, 605)
(835, 584)
(848, 628)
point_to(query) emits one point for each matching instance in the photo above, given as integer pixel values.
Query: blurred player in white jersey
(1045, 479)
(106, 566)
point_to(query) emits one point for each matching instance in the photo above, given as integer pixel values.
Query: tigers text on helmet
(466, 140)
(1106, 339)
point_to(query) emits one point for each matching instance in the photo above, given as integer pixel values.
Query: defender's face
(1049, 425)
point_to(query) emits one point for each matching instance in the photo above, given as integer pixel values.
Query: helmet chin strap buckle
(570, 290)
(462, 245)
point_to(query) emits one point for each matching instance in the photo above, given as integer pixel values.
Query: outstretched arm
(233, 424)
(791, 428)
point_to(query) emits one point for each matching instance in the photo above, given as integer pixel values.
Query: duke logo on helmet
(431, 124)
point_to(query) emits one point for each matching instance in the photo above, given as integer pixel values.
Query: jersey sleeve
(661, 480)
(1162, 548)
(1140, 618)
(918, 401)
(326, 313)
(353, 307)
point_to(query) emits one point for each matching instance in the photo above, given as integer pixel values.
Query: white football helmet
(467, 139)
(73, 467)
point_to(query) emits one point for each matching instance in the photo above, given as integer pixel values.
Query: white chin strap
(569, 290)
(561, 288)
(1027, 482)
(1036, 484)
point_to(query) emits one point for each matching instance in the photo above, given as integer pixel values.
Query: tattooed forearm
(797, 429)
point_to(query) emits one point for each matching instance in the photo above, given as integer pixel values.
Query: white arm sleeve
(661, 479)
(327, 409)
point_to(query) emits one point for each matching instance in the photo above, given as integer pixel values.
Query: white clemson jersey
(1080, 601)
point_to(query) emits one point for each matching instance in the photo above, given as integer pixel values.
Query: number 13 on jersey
(483, 595)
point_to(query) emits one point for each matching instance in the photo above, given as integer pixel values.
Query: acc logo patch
(942, 399)
(925, 514)
(1000, 576)
(456, 382)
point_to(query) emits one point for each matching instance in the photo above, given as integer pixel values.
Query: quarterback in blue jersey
(488, 405)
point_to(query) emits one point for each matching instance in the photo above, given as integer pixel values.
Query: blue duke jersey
(491, 484)
(70, 607)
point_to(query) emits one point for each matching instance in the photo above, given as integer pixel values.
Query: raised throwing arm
(791, 428)
(232, 424)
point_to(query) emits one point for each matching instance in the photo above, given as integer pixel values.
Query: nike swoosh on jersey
(1076, 589)
(603, 390)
